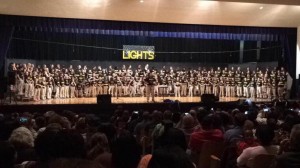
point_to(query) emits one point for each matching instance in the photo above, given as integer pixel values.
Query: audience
(207, 133)
(248, 138)
(265, 136)
(142, 139)
(169, 149)
(187, 125)
(125, 152)
(290, 158)
(7, 155)
(22, 139)
(235, 134)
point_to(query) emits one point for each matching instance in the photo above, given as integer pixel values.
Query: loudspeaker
(11, 76)
(209, 98)
(104, 99)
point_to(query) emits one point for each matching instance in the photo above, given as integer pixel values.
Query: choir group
(59, 82)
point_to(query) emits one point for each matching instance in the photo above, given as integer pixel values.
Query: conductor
(150, 82)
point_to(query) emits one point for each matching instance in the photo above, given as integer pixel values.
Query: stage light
(141, 1)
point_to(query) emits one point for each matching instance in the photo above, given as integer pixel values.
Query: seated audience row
(146, 139)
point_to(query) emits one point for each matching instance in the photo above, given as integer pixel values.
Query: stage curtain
(5, 33)
(85, 47)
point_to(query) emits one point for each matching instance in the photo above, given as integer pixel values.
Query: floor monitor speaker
(208, 98)
(104, 99)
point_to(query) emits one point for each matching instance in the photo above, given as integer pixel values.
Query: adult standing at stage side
(150, 84)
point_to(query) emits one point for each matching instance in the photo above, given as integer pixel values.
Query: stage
(122, 100)
(89, 105)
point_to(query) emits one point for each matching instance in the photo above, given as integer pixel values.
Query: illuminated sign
(135, 52)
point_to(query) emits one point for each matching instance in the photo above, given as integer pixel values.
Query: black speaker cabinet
(208, 98)
(104, 99)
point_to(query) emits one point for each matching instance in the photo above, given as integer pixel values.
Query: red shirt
(241, 145)
(197, 138)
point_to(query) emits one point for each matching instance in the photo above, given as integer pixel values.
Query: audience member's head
(81, 125)
(201, 113)
(167, 115)
(97, 145)
(265, 135)
(239, 119)
(53, 144)
(125, 152)
(70, 115)
(226, 118)
(63, 121)
(248, 134)
(146, 116)
(40, 122)
(248, 125)
(49, 114)
(157, 116)
(7, 155)
(235, 111)
(289, 122)
(166, 135)
(188, 121)
(170, 157)
(6, 128)
(21, 138)
(176, 117)
(295, 138)
(272, 123)
(217, 123)
(194, 114)
(207, 122)
(109, 130)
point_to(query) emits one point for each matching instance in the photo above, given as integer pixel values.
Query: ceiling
(269, 13)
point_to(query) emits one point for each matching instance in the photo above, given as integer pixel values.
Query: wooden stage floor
(127, 100)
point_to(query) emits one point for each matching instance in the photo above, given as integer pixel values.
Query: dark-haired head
(170, 157)
(125, 152)
(239, 119)
(6, 128)
(265, 135)
(7, 155)
(167, 115)
(53, 144)
(201, 113)
(207, 122)
(170, 137)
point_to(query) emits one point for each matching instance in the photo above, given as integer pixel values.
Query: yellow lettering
(133, 54)
(151, 55)
(139, 55)
(126, 56)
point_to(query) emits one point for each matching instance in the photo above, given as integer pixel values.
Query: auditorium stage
(123, 100)
(89, 105)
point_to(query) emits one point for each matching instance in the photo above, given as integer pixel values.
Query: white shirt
(251, 152)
